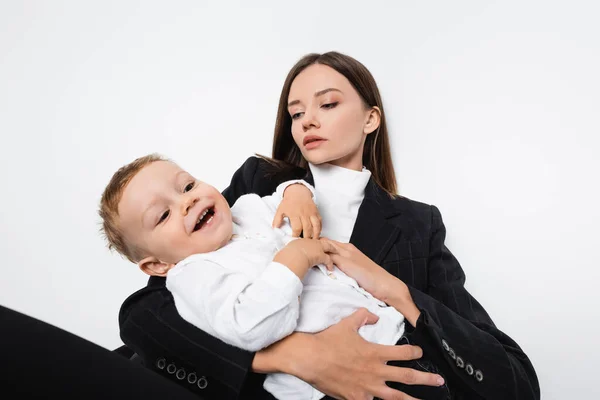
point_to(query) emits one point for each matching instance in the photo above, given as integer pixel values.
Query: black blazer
(404, 237)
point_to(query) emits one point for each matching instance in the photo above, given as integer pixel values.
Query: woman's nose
(310, 121)
(188, 202)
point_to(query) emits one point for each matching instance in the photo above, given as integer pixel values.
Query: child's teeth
(202, 216)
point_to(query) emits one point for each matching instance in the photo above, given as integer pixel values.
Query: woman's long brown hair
(376, 155)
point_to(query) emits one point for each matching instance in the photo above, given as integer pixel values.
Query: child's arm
(247, 313)
(241, 311)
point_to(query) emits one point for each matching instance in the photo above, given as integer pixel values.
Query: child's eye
(297, 115)
(164, 216)
(330, 105)
(188, 187)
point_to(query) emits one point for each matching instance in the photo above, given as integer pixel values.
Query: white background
(493, 111)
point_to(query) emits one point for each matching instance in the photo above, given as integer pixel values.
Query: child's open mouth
(204, 218)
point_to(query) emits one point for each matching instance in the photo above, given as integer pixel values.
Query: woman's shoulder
(275, 170)
(419, 212)
(407, 205)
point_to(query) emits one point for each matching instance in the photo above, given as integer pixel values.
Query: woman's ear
(373, 120)
(154, 267)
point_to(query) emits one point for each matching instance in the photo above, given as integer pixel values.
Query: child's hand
(300, 255)
(301, 210)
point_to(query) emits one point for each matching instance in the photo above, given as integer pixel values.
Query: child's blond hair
(109, 206)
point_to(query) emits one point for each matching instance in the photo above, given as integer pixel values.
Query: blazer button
(180, 374)
(452, 354)
(478, 375)
(161, 363)
(459, 362)
(171, 368)
(202, 383)
(445, 345)
(469, 369)
(192, 378)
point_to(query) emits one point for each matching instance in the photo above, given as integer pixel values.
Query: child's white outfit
(239, 295)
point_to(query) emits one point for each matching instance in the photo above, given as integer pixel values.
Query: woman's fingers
(403, 352)
(387, 393)
(410, 376)
(359, 318)
(332, 245)
(328, 247)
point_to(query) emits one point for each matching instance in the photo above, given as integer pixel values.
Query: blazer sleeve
(242, 181)
(478, 359)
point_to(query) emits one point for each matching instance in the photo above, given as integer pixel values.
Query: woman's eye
(164, 216)
(297, 115)
(188, 187)
(330, 105)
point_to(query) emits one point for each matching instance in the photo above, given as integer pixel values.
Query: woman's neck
(351, 161)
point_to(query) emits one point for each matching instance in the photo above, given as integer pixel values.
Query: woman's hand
(374, 279)
(340, 363)
(298, 206)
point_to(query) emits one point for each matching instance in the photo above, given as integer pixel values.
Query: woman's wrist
(399, 297)
(282, 356)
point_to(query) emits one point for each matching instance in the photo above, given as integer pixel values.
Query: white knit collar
(339, 179)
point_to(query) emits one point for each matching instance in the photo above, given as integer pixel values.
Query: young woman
(330, 124)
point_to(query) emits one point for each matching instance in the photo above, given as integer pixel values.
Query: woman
(330, 112)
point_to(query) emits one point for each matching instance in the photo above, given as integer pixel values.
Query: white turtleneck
(339, 194)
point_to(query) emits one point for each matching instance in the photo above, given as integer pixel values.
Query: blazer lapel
(308, 177)
(373, 234)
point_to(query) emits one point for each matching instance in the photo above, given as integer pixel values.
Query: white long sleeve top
(239, 295)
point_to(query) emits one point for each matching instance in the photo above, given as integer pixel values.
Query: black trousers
(39, 360)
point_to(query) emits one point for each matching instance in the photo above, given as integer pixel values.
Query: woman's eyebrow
(317, 94)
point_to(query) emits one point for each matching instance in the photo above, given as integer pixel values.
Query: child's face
(169, 215)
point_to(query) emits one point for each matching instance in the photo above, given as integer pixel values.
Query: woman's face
(329, 119)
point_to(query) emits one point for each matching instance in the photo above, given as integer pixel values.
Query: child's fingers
(328, 263)
(306, 227)
(278, 220)
(316, 226)
(296, 224)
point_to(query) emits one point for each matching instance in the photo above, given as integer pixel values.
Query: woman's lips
(312, 142)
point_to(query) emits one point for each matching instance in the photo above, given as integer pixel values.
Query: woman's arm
(259, 177)
(340, 363)
(453, 325)
(450, 325)
(242, 181)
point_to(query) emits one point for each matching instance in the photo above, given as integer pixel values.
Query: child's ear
(154, 267)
